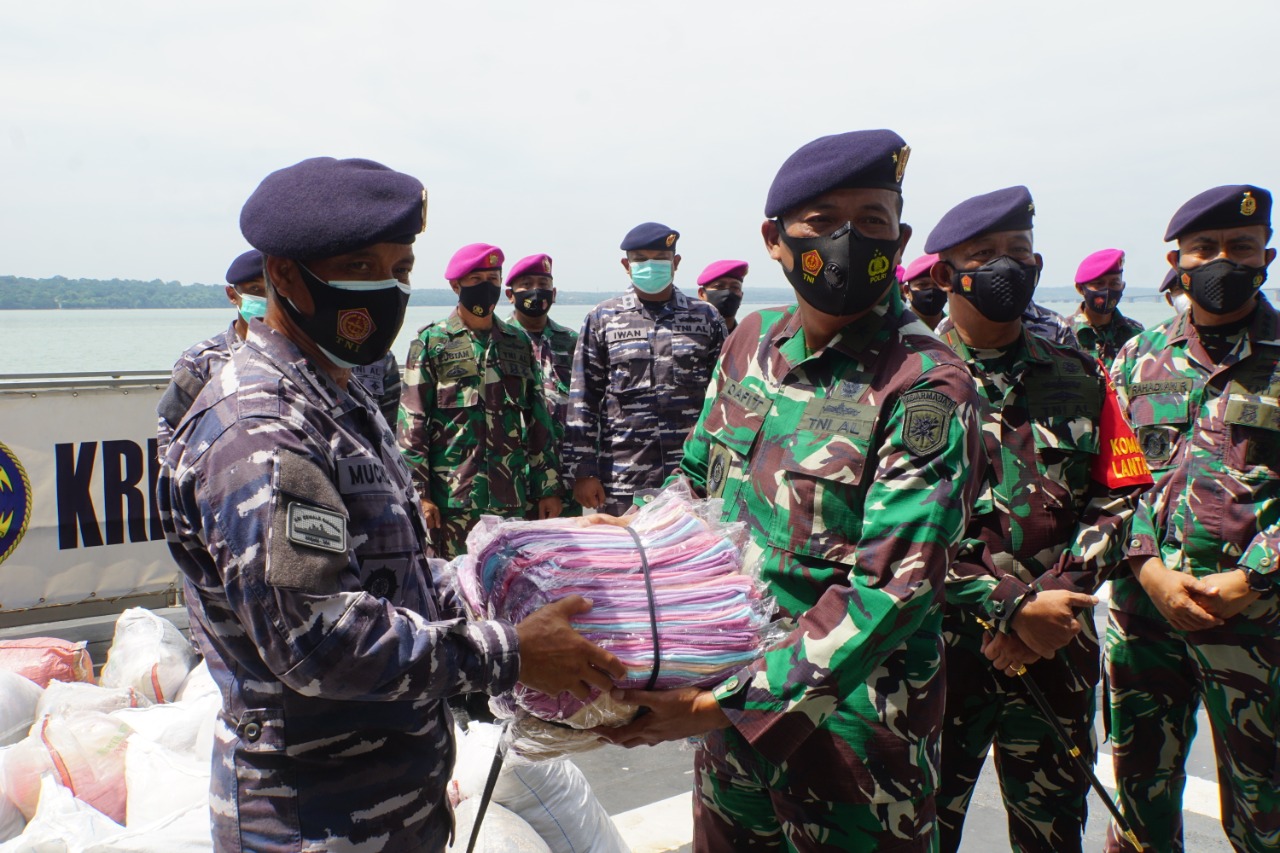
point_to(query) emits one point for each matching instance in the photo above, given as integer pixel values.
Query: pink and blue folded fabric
(711, 619)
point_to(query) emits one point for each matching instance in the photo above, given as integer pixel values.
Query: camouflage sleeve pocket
(309, 546)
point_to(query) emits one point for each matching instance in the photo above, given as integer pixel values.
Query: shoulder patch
(926, 422)
(314, 527)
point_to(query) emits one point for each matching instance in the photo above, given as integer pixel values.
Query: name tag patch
(703, 329)
(361, 475)
(839, 417)
(1164, 386)
(618, 336)
(745, 397)
(314, 527)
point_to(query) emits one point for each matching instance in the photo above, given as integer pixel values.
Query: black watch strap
(1259, 582)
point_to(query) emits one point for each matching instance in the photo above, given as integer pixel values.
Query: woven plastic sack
(45, 659)
(84, 752)
(19, 697)
(149, 654)
(62, 698)
(501, 831)
(62, 823)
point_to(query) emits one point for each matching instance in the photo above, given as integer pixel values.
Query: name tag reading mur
(314, 527)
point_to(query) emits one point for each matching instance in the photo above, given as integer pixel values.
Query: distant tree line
(60, 292)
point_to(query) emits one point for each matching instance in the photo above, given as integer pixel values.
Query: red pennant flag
(1120, 461)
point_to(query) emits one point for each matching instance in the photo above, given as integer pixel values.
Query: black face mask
(1222, 286)
(842, 273)
(533, 303)
(479, 299)
(1001, 289)
(725, 301)
(928, 302)
(352, 325)
(1101, 300)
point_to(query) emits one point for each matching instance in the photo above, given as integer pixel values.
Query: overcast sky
(131, 133)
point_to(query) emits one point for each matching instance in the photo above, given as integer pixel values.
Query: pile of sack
(121, 764)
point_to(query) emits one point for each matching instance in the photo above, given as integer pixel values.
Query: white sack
(149, 654)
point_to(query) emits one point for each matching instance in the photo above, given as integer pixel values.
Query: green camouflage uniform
(853, 468)
(474, 427)
(1206, 415)
(1044, 524)
(553, 350)
(1104, 342)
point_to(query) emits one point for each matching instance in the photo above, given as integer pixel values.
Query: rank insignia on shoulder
(926, 421)
(314, 527)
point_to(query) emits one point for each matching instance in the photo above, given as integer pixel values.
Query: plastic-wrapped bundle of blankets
(670, 600)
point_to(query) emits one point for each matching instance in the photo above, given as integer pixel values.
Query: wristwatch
(1259, 582)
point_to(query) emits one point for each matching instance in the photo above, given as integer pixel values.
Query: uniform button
(1265, 561)
(999, 608)
(252, 732)
(731, 684)
(1134, 543)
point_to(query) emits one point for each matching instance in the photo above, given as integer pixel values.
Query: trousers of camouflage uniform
(1045, 794)
(734, 810)
(1159, 678)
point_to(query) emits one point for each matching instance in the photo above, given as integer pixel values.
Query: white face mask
(1180, 302)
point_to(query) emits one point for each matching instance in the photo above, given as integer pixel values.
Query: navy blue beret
(324, 207)
(247, 267)
(1169, 278)
(650, 235)
(872, 159)
(1222, 207)
(1009, 209)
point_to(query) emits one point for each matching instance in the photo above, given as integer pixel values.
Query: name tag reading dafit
(746, 398)
(313, 527)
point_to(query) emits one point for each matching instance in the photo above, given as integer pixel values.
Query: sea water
(128, 339)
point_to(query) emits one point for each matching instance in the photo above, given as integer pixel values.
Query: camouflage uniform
(1043, 524)
(1210, 429)
(639, 377)
(553, 350)
(190, 373)
(288, 508)
(1104, 342)
(1038, 320)
(382, 380)
(854, 469)
(474, 427)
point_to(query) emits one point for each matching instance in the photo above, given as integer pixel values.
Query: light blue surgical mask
(651, 276)
(252, 306)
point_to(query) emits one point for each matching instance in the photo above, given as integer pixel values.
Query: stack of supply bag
(670, 600)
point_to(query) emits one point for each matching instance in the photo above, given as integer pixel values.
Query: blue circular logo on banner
(15, 502)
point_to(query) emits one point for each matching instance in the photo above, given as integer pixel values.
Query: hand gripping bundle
(670, 601)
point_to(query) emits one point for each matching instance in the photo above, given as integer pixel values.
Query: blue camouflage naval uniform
(640, 374)
(190, 373)
(289, 511)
